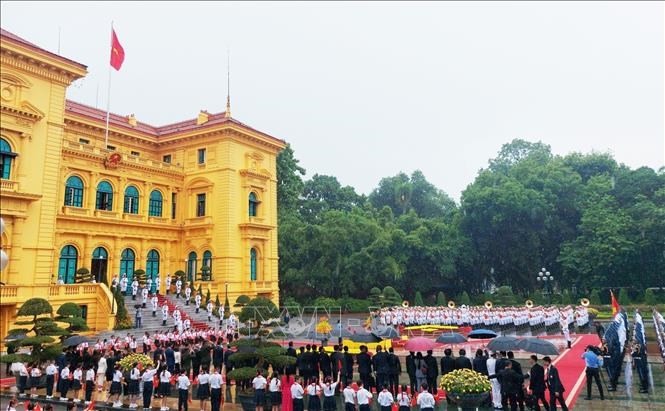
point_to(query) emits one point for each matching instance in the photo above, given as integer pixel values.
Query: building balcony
(158, 220)
(198, 221)
(77, 211)
(8, 185)
(132, 217)
(106, 214)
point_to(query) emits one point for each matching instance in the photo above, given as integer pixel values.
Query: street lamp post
(546, 279)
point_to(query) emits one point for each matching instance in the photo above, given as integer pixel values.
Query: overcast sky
(366, 90)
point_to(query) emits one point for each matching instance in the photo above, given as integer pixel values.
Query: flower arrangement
(323, 327)
(128, 362)
(465, 381)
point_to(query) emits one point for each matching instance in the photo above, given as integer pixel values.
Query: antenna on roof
(227, 113)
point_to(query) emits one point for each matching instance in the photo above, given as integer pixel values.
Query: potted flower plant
(466, 388)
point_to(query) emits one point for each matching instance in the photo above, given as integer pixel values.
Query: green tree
(624, 299)
(391, 297)
(72, 314)
(375, 297)
(289, 182)
(503, 296)
(83, 276)
(464, 299)
(139, 275)
(650, 297)
(441, 299)
(43, 344)
(217, 302)
(418, 300)
(594, 299)
(259, 309)
(242, 301)
(207, 300)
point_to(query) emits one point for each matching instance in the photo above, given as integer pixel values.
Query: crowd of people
(488, 317)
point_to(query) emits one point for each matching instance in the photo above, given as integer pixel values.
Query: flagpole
(108, 100)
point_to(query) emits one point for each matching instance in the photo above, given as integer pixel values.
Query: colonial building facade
(184, 196)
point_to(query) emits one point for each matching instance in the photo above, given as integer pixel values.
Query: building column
(144, 207)
(16, 252)
(92, 192)
(142, 254)
(87, 253)
(115, 253)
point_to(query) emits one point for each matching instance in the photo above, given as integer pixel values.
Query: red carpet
(571, 367)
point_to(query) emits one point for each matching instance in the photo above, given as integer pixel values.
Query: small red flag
(91, 406)
(615, 304)
(117, 52)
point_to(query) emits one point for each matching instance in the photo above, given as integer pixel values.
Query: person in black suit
(554, 385)
(462, 361)
(518, 369)
(432, 372)
(511, 384)
(395, 370)
(447, 362)
(480, 362)
(291, 352)
(364, 366)
(347, 364)
(325, 364)
(303, 364)
(381, 367)
(537, 382)
(501, 363)
(314, 362)
(411, 370)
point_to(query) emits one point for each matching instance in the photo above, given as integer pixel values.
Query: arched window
(67, 264)
(191, 266)
(104, 196)
(6, 157)
(127, 265)
(252, 264)
(74, 192)
(155, 205)
(207, 262)
(131, 200)
(152, 268)
(100, 258)
(253, 205)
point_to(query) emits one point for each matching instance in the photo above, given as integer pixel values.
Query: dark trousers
(64, 387)
(412, 383)
(182, 399)
(49, 385)
(540, 396)
(89, 387)
(147, 394)
(22, 383)
(298, 404)
(381, 379)
(364, 377)
(431, 383)
(593, 374)
(557, 396)
(394, 383)
(511, 397)
(215, 399)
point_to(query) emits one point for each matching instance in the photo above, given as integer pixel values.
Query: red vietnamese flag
(615, 304)
(117, 52)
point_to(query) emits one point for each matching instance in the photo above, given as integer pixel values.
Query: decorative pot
(246, 401)
(469, 401)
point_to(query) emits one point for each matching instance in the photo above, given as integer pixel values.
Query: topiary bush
(83, 276)
(391, 297)
(650, 297)
(418, 300)
(624, 299)
(259, 309)
(441, 299)
(464, 299)
(71, 314)
(504, 296)
(595, 297)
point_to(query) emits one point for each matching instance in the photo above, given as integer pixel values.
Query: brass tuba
(488, 304)
(405, 304)
(451, 304)
(528, 304)
(585, 302)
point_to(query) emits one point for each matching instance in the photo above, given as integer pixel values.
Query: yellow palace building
(192, 194)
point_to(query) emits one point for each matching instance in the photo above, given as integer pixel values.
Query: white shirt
(204, 378)
(363, 396)
(64, 374)
(313, 389)
(117, 376)
(90, 375)
(403, 399)
(275, 384)
(259, 382)
(385, 398)
(149, 375)
(35, 372)
(425, 400)
(134, 374)
(183, 382)
(349, 395)
(216, 381)
(165, 376)
(51, 369)
(329, 389)
(297, 391)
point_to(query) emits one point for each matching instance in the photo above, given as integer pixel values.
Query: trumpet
(529, 304)
(451, 304)
(405, 304)
(488, 304)
(585, 302)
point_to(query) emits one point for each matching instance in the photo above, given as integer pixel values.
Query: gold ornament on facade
(113, 160)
